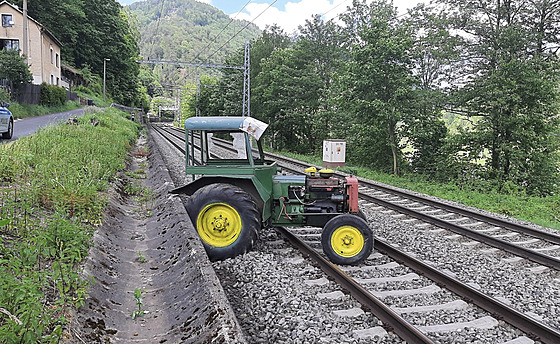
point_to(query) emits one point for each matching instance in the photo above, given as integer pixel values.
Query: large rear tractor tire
(226, 219)
(347, 239)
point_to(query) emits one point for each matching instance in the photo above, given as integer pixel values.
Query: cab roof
(250, 125)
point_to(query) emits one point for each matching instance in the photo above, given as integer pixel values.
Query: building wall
(39, 44)
(51, 69)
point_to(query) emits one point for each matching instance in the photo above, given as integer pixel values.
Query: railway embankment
(154, 282)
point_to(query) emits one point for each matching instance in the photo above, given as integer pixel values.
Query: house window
(52, 57)
(57, 60)
(52, 79)
(7, 20)
(9, 44)
(57, 81)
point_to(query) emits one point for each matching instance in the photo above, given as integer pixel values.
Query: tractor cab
(209, 139)
(206, 138)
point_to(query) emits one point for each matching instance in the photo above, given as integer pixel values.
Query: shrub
(4, 96)
(52, 95)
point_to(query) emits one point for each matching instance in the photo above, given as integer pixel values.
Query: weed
(141, 257)
(139, 303)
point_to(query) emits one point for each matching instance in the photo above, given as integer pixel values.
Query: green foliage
(512, 86)
(14, 68)
(378, 83)
(51, 191)
(289, 92)
(94, 83)
(4, 96)
(52, 95)
(91, 31)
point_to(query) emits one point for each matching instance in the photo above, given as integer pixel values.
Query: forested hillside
(388, 83)
(90, 32)
(187, 31)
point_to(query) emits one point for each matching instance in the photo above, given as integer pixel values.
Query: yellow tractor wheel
(347, 239)
(226, 219)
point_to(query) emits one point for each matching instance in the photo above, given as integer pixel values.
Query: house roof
(67, 67)
(43, 28)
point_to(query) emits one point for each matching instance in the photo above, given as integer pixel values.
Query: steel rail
(510, 315)
(389, 317)
(532, 255)
(553, 238)
(160, 131)
(163, 129)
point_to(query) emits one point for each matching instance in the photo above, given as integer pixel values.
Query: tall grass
(52, 196)
(29, 110)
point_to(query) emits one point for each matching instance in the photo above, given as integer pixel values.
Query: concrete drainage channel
(153, 282)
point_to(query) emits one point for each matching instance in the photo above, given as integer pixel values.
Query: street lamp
(104, 75)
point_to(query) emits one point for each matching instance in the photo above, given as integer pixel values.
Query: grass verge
(544, 211)
(52, 197)
(28, 110)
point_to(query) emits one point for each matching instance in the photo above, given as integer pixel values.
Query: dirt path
(147, 244)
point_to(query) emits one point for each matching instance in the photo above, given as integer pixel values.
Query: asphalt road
(27, 126)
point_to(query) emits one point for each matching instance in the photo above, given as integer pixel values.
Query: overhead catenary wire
(239, 31)
(157, 28)
(243, 28)
(332, 9)
(220, 33)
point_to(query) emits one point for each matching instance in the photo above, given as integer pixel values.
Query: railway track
(459, 220)
(420, 208)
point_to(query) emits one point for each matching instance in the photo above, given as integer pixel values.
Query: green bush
(52, 95)
(4, 96)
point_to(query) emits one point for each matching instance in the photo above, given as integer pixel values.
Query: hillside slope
(187, 31)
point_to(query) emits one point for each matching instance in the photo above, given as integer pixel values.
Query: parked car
(6, 121)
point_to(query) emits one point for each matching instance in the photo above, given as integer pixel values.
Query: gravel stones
(282, 299)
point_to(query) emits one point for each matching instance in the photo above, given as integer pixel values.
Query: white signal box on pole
(334, 153)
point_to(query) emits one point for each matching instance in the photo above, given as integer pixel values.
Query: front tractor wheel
(347, 239)
(226, 219)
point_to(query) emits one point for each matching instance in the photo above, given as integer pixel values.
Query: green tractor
(233, 198)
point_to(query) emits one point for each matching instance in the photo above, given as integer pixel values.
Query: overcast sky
(288, 14)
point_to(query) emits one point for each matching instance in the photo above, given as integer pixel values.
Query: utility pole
(246, 68)
(247, 82)
(25, 49)
(197, 110)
